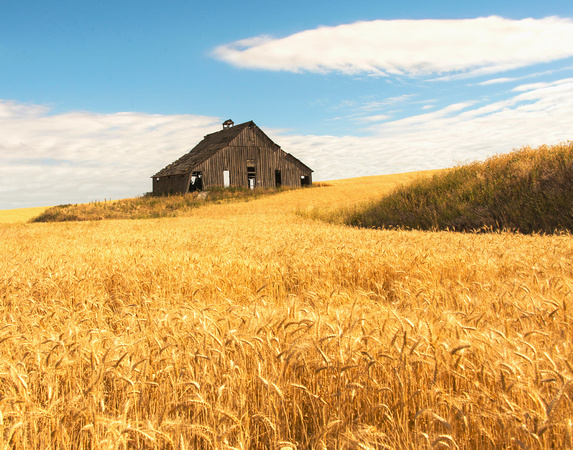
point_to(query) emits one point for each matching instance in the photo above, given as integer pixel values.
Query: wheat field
(19, 214)
(251, 325)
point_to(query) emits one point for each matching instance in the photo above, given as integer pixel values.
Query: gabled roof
(298, 163)
(210, 145)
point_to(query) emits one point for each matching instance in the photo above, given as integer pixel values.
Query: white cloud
(81, 156)
(13, 110)
(535, 87)
(391, 101)
(467, 47)
(372, 119)
(524, 77)
(496, 81)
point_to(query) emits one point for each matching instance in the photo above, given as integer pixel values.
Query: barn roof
(210, 145)
(298, 163)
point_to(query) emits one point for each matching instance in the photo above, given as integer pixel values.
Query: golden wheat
(249, 326)
(20, 214)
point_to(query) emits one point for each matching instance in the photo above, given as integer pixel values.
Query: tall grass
(528, 190)
(248, 326)
(149, 206)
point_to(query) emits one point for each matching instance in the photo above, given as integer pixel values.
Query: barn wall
(174, 184)
(250, 145)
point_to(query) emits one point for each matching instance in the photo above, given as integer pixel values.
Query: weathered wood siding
(255, 146)
(250, 145)
(174, 184)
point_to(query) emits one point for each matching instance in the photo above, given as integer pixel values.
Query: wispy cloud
(497, 81)
(81, 156)
(536, 114)
(535, 87)
(362, 107)
(372, 119)
(378, 105)
(453, 48)
(524, 77)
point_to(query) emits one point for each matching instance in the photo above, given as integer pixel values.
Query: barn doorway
(196, 183)
(226, 179)
(304, 180)
(278, 180)
(251, 177)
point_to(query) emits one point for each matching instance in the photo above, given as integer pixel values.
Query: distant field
(20, 215)
(184, 205)
(252, 325)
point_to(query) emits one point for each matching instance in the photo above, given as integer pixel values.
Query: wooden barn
(238, 155)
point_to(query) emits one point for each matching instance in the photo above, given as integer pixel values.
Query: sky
(97, 96)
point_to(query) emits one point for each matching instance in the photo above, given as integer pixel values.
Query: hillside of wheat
(251, 325)
(529, 190)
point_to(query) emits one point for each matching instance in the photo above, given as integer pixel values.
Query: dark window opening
(278, 180)
(304, 180)
(251, 177)
(196, 182)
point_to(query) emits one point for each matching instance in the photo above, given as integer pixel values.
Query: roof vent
(228, 124)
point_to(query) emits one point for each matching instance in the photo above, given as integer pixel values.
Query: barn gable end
(241, 155)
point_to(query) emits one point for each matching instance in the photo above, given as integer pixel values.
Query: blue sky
(97, 96)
